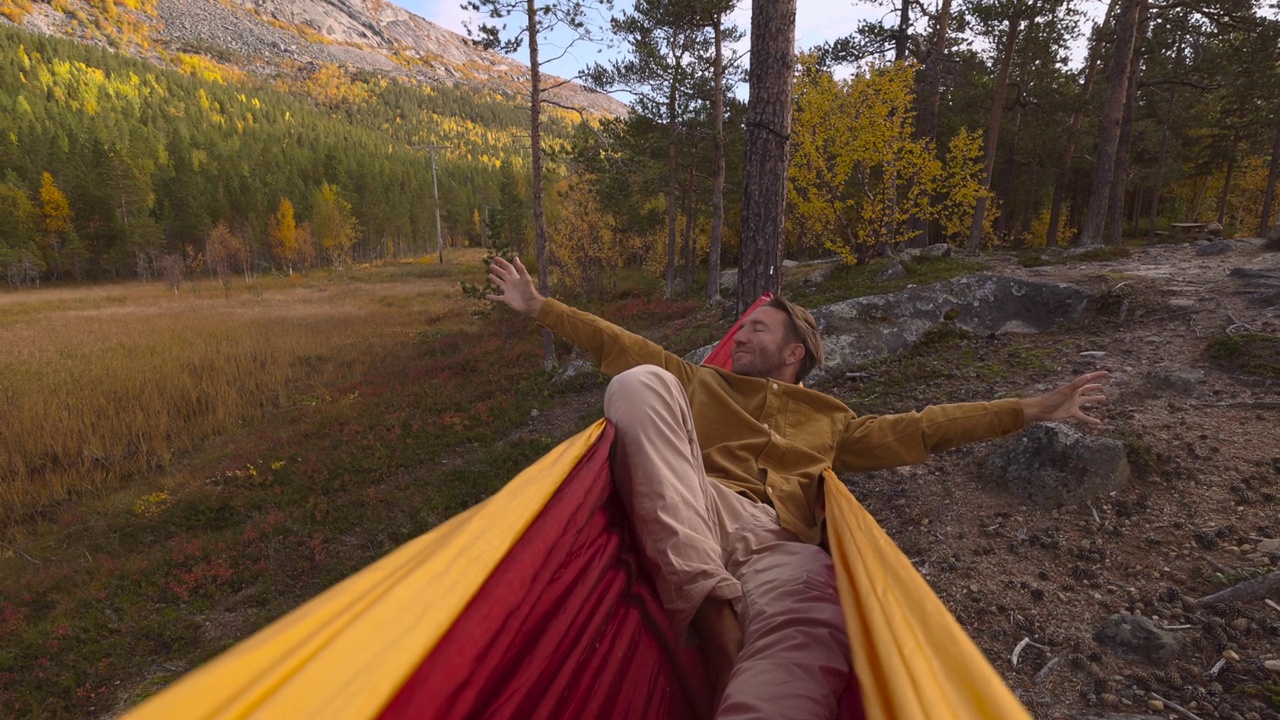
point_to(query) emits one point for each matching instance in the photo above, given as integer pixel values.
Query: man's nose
(739, 338)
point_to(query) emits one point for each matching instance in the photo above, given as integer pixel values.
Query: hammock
(535, 604)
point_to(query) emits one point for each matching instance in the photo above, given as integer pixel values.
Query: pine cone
(1205, 540)
(1215, 634)
(1144, 680)
(1196, 693)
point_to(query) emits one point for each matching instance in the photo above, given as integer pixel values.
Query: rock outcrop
(857, 330)
(1052, 464)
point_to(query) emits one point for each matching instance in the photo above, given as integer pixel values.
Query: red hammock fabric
(568, 626)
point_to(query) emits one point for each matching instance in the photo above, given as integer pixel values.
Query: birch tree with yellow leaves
(284, 236)
(858, 171)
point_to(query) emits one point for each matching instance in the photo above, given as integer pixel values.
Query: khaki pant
(703, 540)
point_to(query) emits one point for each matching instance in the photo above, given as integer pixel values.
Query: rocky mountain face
(275, 35)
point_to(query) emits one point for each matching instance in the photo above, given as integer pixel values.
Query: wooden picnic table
(1188, 228)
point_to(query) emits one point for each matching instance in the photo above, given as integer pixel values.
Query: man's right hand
(518, 290)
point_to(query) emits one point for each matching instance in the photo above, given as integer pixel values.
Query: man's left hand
(1068, 401)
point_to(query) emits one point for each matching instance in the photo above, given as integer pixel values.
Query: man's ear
(795, 353)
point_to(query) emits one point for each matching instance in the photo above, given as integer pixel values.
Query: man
(738, 558)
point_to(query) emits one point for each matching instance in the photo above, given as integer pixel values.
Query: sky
(817, 21)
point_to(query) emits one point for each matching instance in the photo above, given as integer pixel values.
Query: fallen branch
(1254, 589)
(1175, 708)
(1272, 603)
(1018, 650)
(1213, 671)
(1247, 404)
(1177, 627)
(13, 549)
(1217, 566)
(1044, 671)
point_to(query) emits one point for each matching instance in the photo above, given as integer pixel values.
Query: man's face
(761, 348)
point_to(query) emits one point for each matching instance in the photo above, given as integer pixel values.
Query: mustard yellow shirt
(770, 440)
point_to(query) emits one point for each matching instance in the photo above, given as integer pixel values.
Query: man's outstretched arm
(877, 442)
(615, 349)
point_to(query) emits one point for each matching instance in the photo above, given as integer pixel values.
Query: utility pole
(435, 191)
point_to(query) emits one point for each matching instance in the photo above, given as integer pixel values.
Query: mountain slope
(273, 36)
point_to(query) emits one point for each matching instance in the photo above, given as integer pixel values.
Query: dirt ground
(1202, 498)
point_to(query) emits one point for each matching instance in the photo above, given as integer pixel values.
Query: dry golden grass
(100, 384)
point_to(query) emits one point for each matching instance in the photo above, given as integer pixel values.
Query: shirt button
(770, 491)
(766, 426)
(775, 386)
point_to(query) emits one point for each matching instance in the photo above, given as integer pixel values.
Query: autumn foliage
(859, 175)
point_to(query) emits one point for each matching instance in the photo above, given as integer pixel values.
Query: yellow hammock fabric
(348, 652)
(912, 659)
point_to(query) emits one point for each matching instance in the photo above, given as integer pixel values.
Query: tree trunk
(1007, 223)
(1122, 61)
(1197, 200)
(535, 151)
(1114, 230)
(993, 132)
(904, 24)
(1073, 130)
(672, 211)
(717, 187)
(1029, 204)
(1226, 185)
(927, 120)
(687, 252)
(1269, 195)
(1157, 187)
(773, 33)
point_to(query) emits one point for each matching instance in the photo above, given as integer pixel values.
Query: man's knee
(636, 388)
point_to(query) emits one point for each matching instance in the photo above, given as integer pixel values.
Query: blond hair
(803, 330)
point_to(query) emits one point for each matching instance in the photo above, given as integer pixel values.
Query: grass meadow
(98, 385)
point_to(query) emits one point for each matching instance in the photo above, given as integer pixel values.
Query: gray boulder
(936, 251)
(576, 369)
(1217, 247)
(728, 279)
(893, 271)
(1051, 464)
(1140, 636)
(1214, 229)
(1248, 273)
(1186, 381)
(821, 275)
(1273, 237)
